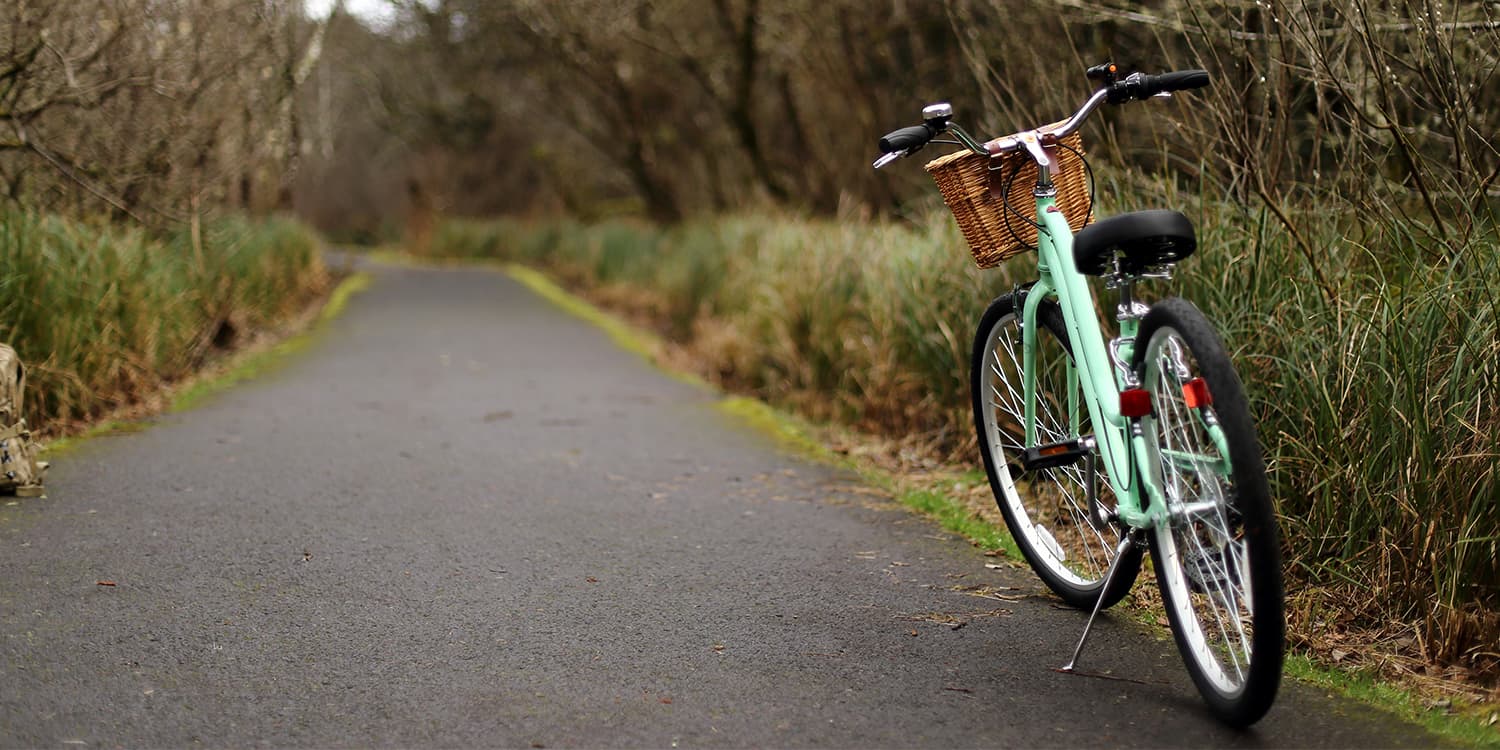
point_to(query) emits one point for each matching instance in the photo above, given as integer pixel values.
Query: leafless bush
(1388, 108)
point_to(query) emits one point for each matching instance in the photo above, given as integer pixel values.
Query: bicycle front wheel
(1217, 556)
(1067, 543)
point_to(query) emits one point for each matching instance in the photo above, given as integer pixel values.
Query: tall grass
(1379, 407)
(104, 315)
(1376, 395)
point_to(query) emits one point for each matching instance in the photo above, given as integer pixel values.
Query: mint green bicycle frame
(1127, 456)
(1132, 463)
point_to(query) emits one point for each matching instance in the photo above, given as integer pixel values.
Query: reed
(105, 315)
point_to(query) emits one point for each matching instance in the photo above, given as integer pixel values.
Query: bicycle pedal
(1054, 455)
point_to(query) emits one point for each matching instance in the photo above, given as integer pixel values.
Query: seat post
(1129, 314)
(1129, 308)
(1127, 290)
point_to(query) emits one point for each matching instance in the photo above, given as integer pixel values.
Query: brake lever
(888, 158)
(1033, 146)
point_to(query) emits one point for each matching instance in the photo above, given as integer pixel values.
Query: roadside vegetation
(145, 151)
(105, 316)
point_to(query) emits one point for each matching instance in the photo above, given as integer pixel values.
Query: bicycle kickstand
(1126, 545)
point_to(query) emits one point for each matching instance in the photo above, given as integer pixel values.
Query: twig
(1255, 36)
(1101, 676)
(70, 174)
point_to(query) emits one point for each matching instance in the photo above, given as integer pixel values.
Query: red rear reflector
(1195, 393)
(1135, 403)
(1053, 450)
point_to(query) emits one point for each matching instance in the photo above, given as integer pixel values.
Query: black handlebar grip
(1176, 81)
(906, 139)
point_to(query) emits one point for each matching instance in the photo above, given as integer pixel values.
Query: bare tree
(153, 110)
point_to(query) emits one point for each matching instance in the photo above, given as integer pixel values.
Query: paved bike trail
(465, 518)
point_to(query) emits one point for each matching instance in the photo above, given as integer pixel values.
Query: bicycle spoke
(1052, 517)
(1221, 593)
(1205, 566)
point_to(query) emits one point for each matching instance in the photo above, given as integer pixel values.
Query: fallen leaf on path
(953, 620)
(591, 579)
(105, 583)
(937, 618)
(990, 592)
(957, 689)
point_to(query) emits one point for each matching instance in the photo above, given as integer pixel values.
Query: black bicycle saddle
(1144, 239)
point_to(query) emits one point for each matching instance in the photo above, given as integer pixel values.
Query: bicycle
(1158, 411)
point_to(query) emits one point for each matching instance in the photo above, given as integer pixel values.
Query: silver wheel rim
(1062, 538)
(1202, 553)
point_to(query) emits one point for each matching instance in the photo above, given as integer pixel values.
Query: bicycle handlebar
(906, 139)
(1139, 86)
(1133, 87)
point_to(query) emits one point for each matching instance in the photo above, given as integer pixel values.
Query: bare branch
(71, 171)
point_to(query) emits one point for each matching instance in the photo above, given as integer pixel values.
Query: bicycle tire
(1218, 556)
(1050, 521)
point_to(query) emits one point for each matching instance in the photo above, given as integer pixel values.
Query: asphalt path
(464, 518)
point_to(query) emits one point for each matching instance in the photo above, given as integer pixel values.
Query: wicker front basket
(973, 185)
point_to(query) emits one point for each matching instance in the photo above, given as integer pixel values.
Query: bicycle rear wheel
(1217, 557)
(1067, 543)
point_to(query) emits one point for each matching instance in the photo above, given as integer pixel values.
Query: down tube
(1055, 245)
